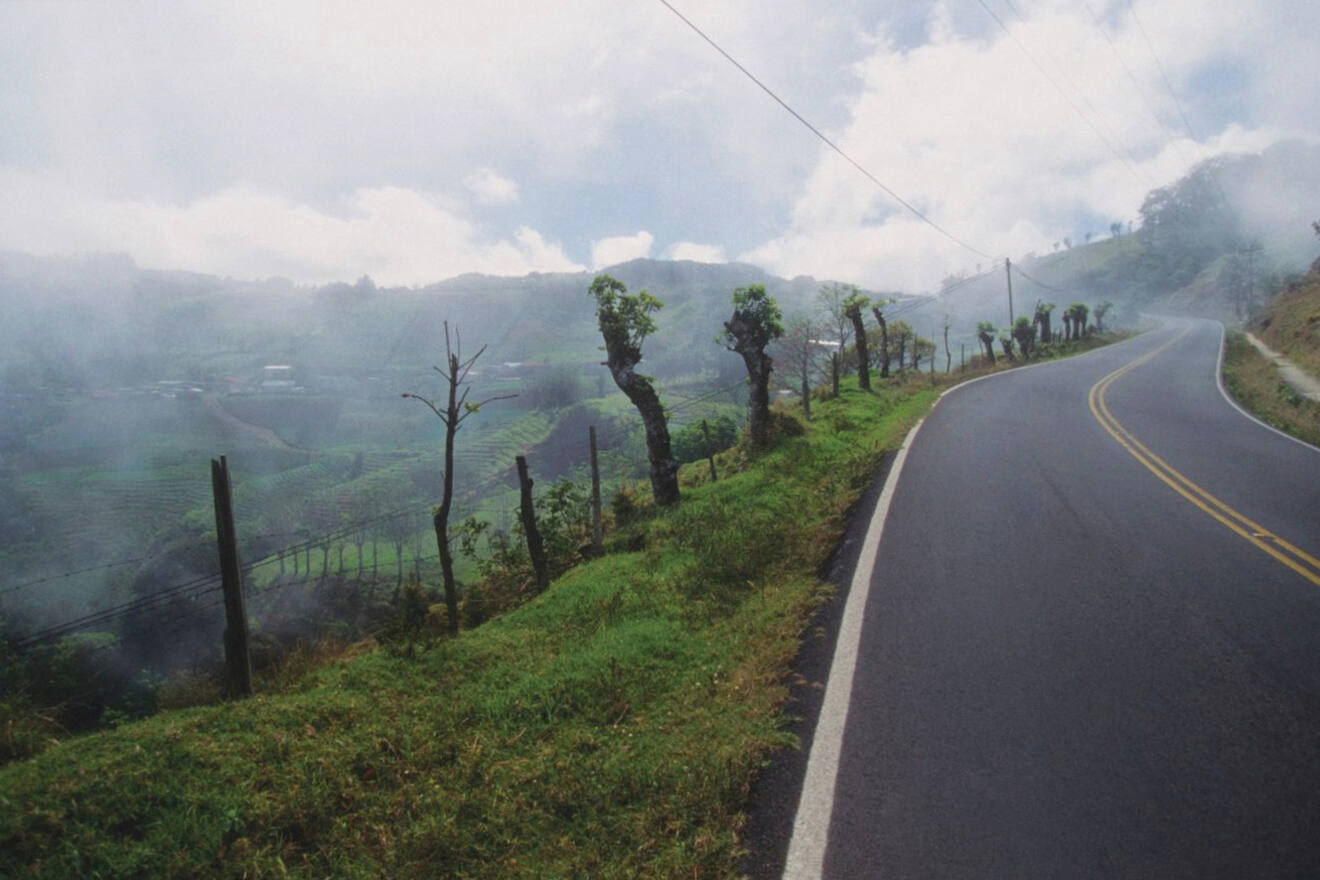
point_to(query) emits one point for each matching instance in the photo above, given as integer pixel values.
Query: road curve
(1090, 642)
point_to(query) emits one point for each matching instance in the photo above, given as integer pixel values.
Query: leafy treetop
(757, 312)
(625, 319)
(856, 302)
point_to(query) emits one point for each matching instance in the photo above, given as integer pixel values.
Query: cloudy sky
(417, 141)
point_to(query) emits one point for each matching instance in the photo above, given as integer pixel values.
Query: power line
(829, 143)
(1052, 81)
(1040, 284)
(1164, 76)
(1135, 164)
(1132, 78)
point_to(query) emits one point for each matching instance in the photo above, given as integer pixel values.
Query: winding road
(1083, 639)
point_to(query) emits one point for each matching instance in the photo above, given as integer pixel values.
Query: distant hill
(101, 321)
(1209, 244)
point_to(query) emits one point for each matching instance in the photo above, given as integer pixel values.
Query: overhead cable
(829, 143)
(1071, 103)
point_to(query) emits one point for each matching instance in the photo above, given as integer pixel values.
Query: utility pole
(1008, 270)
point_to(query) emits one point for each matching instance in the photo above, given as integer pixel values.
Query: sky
(415, 141)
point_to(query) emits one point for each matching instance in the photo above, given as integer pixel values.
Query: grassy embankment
(609, 728)
(1290, 324)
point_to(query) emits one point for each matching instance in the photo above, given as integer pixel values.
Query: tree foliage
(756, 322)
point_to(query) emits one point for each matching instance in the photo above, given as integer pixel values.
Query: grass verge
(1255, 383)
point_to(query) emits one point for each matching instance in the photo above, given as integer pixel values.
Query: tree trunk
(863, 362)
(988, 344)
(758, 398)
(441, 518)
(834, 373)
(664, 469)
(806, 394)
(398, 558)
(884, 341)
(535, 546)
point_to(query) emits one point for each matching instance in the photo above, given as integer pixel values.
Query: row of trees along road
(627, 319)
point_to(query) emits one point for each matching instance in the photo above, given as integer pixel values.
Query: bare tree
(755, 323)
(625, 321)
(800, 353)
(830, 300)
(453, 413)
(397, 529)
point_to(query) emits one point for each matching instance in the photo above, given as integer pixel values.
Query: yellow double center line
(1293, 557)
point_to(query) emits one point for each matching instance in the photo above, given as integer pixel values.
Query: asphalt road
(1090, 643)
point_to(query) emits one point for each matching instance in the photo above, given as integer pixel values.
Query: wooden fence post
(535, 546)
(597, 531)
(238, 661)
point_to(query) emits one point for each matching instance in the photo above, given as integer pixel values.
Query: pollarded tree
(1024, 331)
(625, 321)
(756, 322)
(1079, 313)
(985, 331)
(1100, 312)
(1006, 343)
(1042, 319)
(852, 307)
(878, 310)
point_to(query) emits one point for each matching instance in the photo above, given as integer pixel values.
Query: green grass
(609, 728)
(1255, 383)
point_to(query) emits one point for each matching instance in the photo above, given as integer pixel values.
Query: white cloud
(620, 249)
(396, 235)
(698, 253)
(297, 109)
(970, 132)
(491, 188)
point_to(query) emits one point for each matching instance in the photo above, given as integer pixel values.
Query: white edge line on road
(811, 823)
(811, 826)
(1219, 380)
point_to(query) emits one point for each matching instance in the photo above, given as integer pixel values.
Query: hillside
(1290, 322)
(1212, 244)
(608, 728)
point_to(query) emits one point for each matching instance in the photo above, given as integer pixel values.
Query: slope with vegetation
(609, 726)
(1289, 324)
